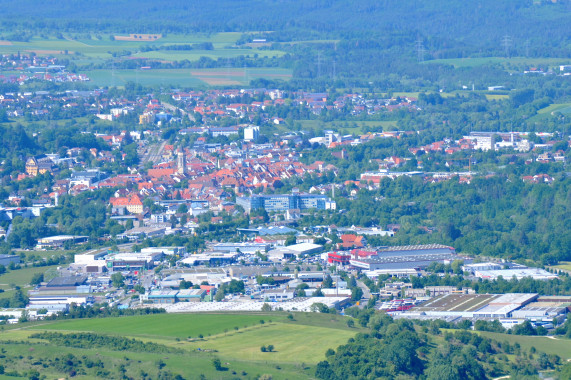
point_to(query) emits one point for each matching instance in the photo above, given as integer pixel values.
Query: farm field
(185, 77)
(105, 47)
(84, 53)
(299, 344)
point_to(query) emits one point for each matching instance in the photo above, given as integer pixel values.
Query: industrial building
(133, 261)
(519, 273)
(53, 242)
(9, 259)
(212, 259)
(406, 257)
(249, 248)
(167, 296)
(474, 306)
(295, 251)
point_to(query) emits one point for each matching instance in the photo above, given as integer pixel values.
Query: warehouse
(9, 259)
(53, 242)
(406, 257)
(478, 306)
(519, 273)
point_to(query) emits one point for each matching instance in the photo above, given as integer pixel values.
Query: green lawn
(22, 277)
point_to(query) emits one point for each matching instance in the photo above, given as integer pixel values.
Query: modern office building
(284, 202)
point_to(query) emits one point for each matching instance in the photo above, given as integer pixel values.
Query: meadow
(549, 345)
(233, 338)
(22, 277)
(185, 77)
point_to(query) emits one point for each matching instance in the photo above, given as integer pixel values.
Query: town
(276, 190)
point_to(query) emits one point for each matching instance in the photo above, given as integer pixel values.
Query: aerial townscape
(285, 190)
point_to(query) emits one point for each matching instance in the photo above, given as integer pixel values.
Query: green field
(22, 277)
(506, 62)
(293, 343)
(194, 55)
(555, 346)
(104, 48)
(83, 52)
(185, 77)
(170, 325)
(564, 265)
(299, 344)
(564, 108)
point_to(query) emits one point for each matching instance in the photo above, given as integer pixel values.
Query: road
(366, 291)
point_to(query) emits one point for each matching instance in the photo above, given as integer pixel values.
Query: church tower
(180, 162)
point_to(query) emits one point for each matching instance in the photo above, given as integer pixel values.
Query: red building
(338, 258)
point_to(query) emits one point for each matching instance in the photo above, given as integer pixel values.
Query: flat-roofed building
(59, 241)
(519, 273)
(406, 257)
(9, 259)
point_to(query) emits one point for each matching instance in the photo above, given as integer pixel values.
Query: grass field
(185, 77)
(496, 97)
(83, 52)
(473, 62)
(293, 343)
(170, 325)
(564, 265)
(22, 277)
(555, 346)
(299, 344)
(105, 47)
(564, 108)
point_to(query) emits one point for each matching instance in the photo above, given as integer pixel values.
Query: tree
(270, 347)
(327, 282)
(266, 307)
(217, 364)
(37, 278)
(118, 280)
(291, 240)
(356, 293)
